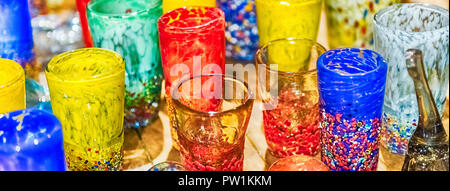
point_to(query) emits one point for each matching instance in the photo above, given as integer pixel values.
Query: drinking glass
(287, 18)
(12, 86)
(87, 96)
(241, 30)
(291, 116)
(32, 140)
(351, 91)
(350, 22)
(192, 43)
(212, 114)
(410, 26)
(129, 27)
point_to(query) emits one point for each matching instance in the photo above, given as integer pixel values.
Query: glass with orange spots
(192, 43)
(350, 22)
(212, 113)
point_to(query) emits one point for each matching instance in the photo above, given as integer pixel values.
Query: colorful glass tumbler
(351, 91)
(241, 30)
(87, 95)
(32, 140)
(169, 5)
(410, 26)
(192, 43)
(81, 7)
(16, 39)
(212, 114)
(291, 116)
(130, 29)
(279, 19)
(12, 86)
(350, 22)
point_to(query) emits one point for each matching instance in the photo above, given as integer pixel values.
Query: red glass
(81, 6)
(192, 41)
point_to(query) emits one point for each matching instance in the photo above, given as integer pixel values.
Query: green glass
(129, 27)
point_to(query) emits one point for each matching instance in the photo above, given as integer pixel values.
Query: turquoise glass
(129, 27)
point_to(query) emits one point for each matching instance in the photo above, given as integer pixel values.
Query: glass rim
(247, 102)
(304, 2)
(382, 12)
(260, 62)
(18, 76)
(153, 8)
(164, 26)
(59, 58)
(320, 63)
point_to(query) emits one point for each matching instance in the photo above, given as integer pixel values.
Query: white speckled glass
(398, 28)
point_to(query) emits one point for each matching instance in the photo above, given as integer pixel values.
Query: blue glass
(16, 37)
(31, 140)
(241, 30)
(168, 166)
(351, 92)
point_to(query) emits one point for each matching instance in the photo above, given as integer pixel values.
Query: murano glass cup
(410, 26)
(212, 114)
(81, 7)
(241, 30)
(351, 90)
(12, 86)
(350, 22)
(129, 27)
(192, 43)
(16, 39)
(279, 19)
(169, 5)
(291, 114)
(87, 96)
(32, 140)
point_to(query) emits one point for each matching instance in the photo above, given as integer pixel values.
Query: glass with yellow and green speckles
(87, 96)
(129, 27)
(350, 22)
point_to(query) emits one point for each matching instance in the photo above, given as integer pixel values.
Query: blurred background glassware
(351, 91)
(12, 86)
(428, 147)
(87, 95)
(16, 41)
(350, 22)
(192, 41)
(81, 7)
(32, 141)
(279, 19)
(291, 117)
(212, 114)
(169, 5)
(298, 163)
(398, 28)
(129, 27)
(241, 30)
(168, 166)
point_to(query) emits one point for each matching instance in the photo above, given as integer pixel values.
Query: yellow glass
(12, 86)
(87, 95)
(169, 5)
(279, 19)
